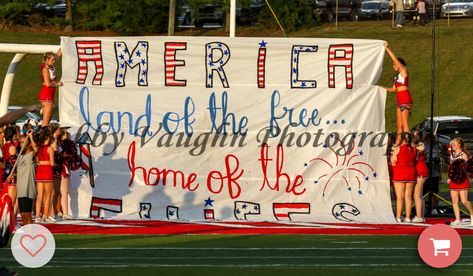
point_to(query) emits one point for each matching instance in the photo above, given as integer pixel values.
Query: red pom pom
(469, 168)
(456, 171)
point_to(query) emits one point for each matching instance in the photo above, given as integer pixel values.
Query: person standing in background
(25, 174)
(399, 8)
(421, 12)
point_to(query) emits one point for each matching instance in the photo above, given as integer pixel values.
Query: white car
(457, 8)
(29, 116)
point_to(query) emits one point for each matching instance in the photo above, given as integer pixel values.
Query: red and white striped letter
(170, 63)
(340, 55)
(89, 51)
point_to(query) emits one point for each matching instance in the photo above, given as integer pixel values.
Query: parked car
(375, 10)
(57, 9)
(448, 127)
(347, 9)
(210, 13)
(457, 8)
(27, 117)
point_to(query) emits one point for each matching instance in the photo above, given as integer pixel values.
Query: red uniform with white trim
(465, 185)
(403, 97)
(47, 93)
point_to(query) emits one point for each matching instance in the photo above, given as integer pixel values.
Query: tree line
(140, 17)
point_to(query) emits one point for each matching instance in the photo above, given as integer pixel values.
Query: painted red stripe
(282, 215)
(291, 205)
(106, 201)
(85, 58)
(84, 151)
(346, 52)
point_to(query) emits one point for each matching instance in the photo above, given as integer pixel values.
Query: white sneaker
(418, 220)
(50, 219)
(38, 220)
(398, 26)
(407, 220)
(399, 220)
(455, 223)
(67, 217)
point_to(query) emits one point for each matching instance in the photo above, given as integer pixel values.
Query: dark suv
(348, 9)
(375, 10)
(448, 127)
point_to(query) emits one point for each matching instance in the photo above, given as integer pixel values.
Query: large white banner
(217, 128)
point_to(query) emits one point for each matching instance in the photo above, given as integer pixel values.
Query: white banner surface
(217, 128)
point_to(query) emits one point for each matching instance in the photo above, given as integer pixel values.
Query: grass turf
(236, 255)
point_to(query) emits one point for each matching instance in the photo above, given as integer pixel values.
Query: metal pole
(8, 82)
(432, 94)
(448, 13)
(392, 11)
(336, 14)
(172, 17)
(232, 18)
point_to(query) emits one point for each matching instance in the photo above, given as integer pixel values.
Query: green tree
(68, 17)
(293, 15)
(13, 12)
(123, 16)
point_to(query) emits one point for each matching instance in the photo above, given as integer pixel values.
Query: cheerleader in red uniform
(422, 175)
(48, 90)
(44, 177)
(2, 162)
(9, 152)
(70, 162)
(404, 175)
(389, 152)
(400, 87)
(458, 179)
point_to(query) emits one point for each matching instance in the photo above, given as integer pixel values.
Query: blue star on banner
(209, 202)
(262, 43)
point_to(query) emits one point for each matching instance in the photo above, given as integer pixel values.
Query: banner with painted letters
(218, 128)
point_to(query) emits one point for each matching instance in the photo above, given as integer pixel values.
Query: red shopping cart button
(439, 246)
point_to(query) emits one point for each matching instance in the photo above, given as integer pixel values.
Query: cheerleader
(70, 162)
(389, 152)
(403, 96)
(9, 151)
(48, 90)
(44, 177)
(55, 130)
(404, 175)
(422, 175)
(458, 179)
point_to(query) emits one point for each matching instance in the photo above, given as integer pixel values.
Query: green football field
(239, 255)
